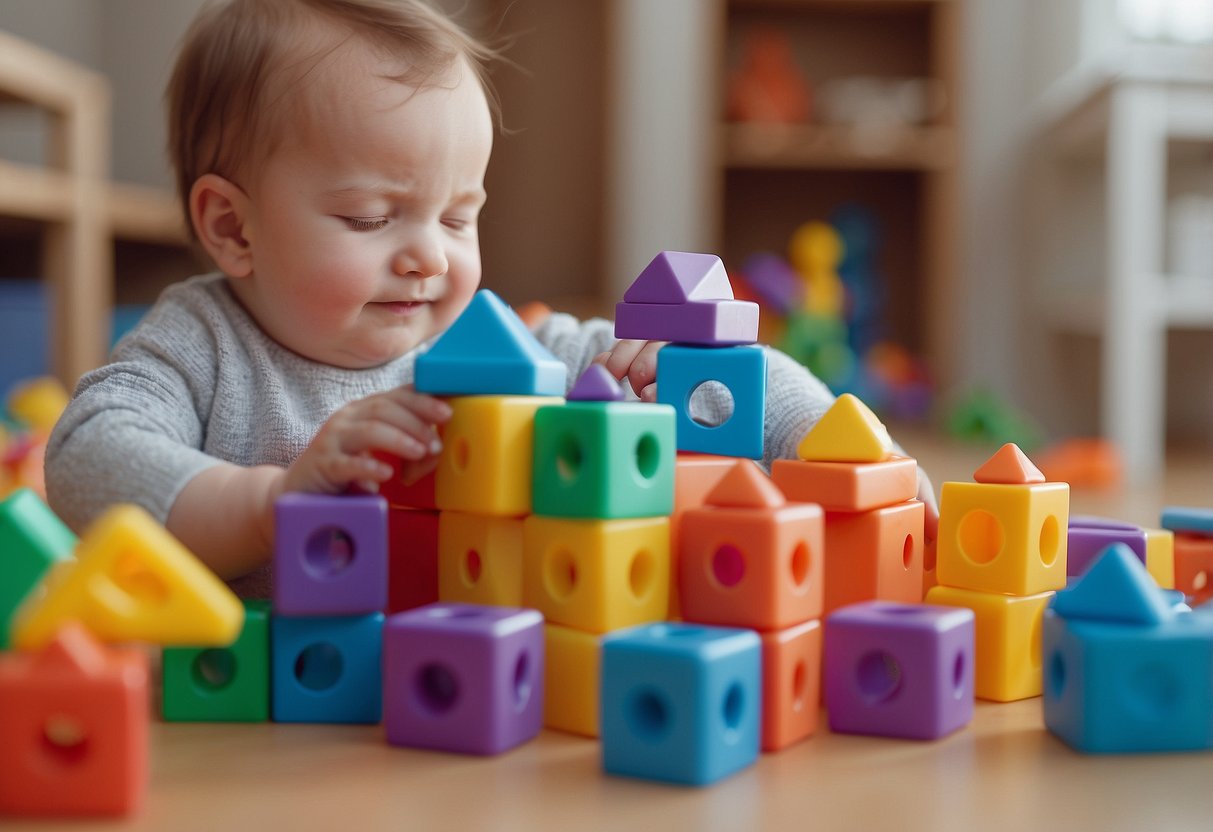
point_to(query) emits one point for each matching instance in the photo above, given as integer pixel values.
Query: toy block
(572, 680)
(38, 403)
(1085, 543)
(1160, 556)
(745, 486)
(929, 577)
(1008, 466)
(751, 567)
(704, 423)
(485, 466)
(848, 432)
(1008, 639)
(695, 475)
(489, 351)
(774, 281)
(1198, 521)
(1089, 521)
(412, 558)
(398, 493)
(32, 540)
(1193, 565)
(875, 554)
(464, 678)
(605, 460)
(899, 670)
(132, 581)
(596, 384)
(675, 277)
(326, 669)
(707, 323)
(480, 559)
(1116, 588)
(597, 575)
(680, 702)
(1003, 538)
(221, 684)
(791, 684)
(1083, 463)
(847, 486)
(330, 554)
(73, 728)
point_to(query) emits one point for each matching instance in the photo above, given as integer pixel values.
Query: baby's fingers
(620, 358)
(643, 371)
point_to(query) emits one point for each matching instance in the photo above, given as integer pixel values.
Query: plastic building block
(847, 486)
(680, 702)
(899, 670)
(485, 466)
(463, 678)
(929, 577)
(38, 403)
(675, 277)
(1160, 557)
(596, 384)
(1008, 466)
(709, 323)
(1194, 567)
(480, 559)
(32, 540)
(330, 554)
(489, 351)
(682, 371)
(132, 581)
(1083, 463)
(1191, 520)
(791, 684)
(606, 460)
(695, 475)
(597, 575)
(326, 669)
(758, 567)
(412, 558)
(1085, 543)
(73, 728)
(222, 684)
(774, 281)
(572, 681)
(745, 486)
(875, 554)
(1008, 639)
(1116, 588)
(848, 432)
(419, 494)
(1089, 521)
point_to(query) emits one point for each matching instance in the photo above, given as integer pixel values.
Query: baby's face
(363, 223)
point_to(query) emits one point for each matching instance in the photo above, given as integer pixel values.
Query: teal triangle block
(1116, 588)
(488, 350)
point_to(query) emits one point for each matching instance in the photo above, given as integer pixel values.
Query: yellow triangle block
(848, 432)
(132, 581)
(1008, 466)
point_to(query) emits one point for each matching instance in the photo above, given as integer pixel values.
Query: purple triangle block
(596, 384)
(680, 276)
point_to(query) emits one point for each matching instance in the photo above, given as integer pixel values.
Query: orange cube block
(791, 684)
(874, 555)
(412, 558)
(847, 486)
(1194, 566)
(73, 728)
(695, 475)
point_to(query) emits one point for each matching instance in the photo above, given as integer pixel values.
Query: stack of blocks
(412, 522)
(1002, 553)
(1192, 530)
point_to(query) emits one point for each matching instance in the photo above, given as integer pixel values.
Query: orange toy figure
(768, 87)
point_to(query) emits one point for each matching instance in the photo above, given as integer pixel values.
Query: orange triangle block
(746, 486)
(1008, 466)
(848, 432)
(132, 581)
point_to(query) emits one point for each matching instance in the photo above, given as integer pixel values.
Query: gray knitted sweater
(198, 382)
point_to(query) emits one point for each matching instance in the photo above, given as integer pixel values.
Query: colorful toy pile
(33, 408)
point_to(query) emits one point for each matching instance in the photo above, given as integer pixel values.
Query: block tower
(596, 549)
(1002, 552)
(873, 524)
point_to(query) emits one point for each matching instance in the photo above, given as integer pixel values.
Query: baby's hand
(401, 422)
(638, 361)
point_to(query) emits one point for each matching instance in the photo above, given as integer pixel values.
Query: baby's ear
(219, 212)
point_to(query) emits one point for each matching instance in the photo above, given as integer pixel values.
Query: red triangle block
(746, 486)
(1008, 466)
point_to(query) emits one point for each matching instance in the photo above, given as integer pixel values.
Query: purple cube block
(330, 554)
(709, 323)
(463, 678)
(1085, 543)
(899, 670)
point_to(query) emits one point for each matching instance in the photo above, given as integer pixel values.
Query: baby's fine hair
(223, 117)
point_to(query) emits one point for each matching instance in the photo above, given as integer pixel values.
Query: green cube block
(607, 460)
(222, 684)
(32, 539)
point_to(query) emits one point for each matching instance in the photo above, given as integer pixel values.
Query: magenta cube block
(1085, 543)
(899, 670)
(709, 323)
(330, 554)
(463, 677)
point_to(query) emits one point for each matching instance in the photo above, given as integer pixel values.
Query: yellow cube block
(597, 575)
(1007, 639)
(479, 559)
(1009, 539)
(485, 466)
(1160, 556)
(572, 659)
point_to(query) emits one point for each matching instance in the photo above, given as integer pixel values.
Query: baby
(330, 157)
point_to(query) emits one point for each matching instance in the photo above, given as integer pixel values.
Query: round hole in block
(328, 552)
(907, 552)
(561, 573)
(461, 454)
(568, 457)
(472, 567)
(1153, 692)
(522, 680)
(648, 714)
(958, 676)
(1056, 681)
(64, 739)
(879, 677)
(641, 575)
(648, 456)
(136, 580)
(1049, 541)
(728, 565)
(710, 404)
(214, 669)
(800, 678)
(437, 688)
(1200, 581)
(980, 536)
(319, 666)
(733, 707)
(454, 612)
(800, 565)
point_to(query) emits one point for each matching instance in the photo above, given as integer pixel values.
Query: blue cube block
(327, 669)
(681, 370)
(680, 702)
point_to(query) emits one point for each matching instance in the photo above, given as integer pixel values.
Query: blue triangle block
(1192, 520)
(489, 351)
(680, 276)
(596, 384)
(1115, 588)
